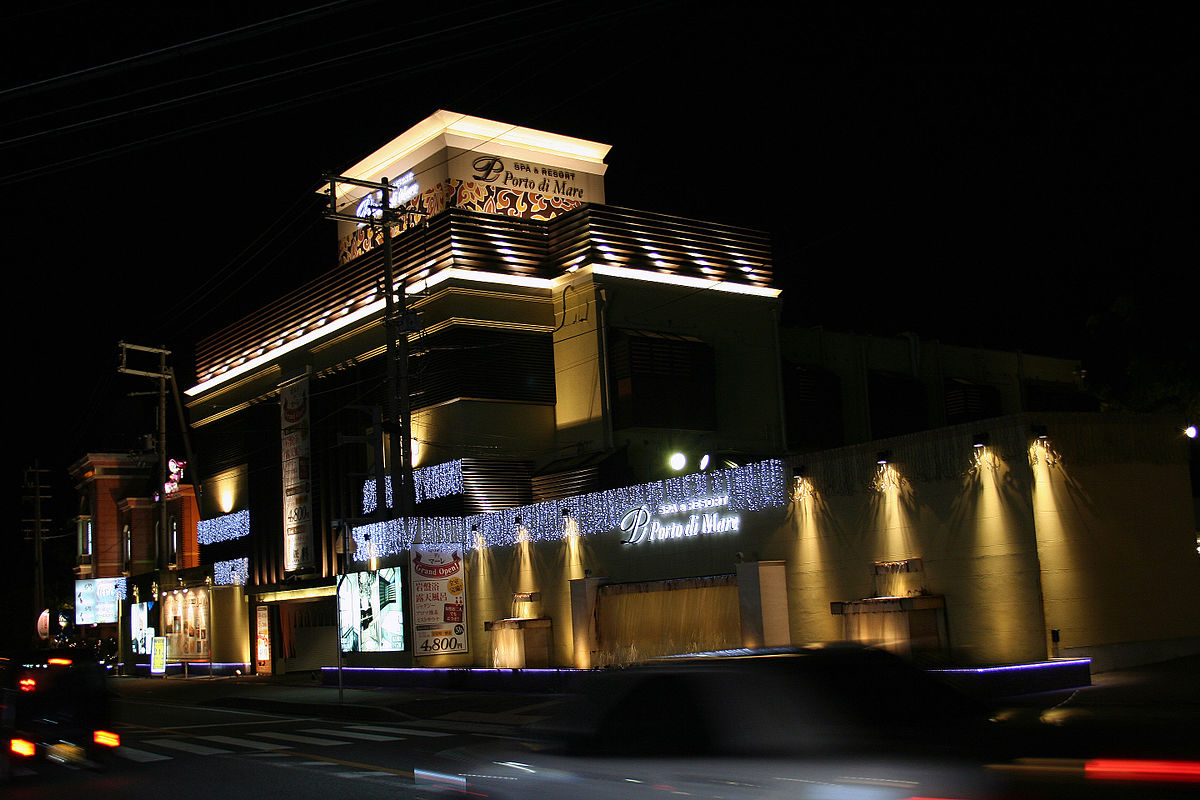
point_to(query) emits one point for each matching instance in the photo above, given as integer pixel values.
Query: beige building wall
(1095, 542)
(1116, 539)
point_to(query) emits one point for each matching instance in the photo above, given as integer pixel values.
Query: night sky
(1001, 177)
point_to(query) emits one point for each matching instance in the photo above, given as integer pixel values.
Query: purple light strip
(481, 670)
(1017, 667)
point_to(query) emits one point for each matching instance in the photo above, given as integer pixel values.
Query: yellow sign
(158, 656)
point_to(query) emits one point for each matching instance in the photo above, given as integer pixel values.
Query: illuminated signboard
(403, 189)
(158, 655)
(184, 618)
(98, 600)
(370, 611)
(698, 517)
(439, 594)
(140, 633)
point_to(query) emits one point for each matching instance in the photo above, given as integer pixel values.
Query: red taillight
(107, 738)
(60, 662)
(27, 684)
(1122, 769)
(22, 747)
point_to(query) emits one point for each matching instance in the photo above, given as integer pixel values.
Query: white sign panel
(97, 600)
(297, 497)
(439, 592)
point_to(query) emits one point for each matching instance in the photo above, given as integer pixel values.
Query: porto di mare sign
(675, 520)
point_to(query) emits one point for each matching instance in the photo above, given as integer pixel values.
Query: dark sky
(985, 177)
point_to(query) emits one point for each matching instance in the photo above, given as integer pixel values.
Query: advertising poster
(141, 634)
(297, 495)
(184, 619)
(97, 600)
(370, 611)
(439, 591)
(158, 655)
(262, 640)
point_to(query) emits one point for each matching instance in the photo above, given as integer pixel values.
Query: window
(127, 547)
(898, 404)
(85, 536)
(662, 380)
(967, 401)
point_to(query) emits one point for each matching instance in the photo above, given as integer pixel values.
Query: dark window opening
(898, 404)
(662, 380)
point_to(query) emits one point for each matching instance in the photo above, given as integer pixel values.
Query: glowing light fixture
(677, 461)
(979, 441)
(883, 457)
(1190, 431)
(704, 461)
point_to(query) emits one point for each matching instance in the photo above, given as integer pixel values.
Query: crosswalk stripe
(141, 756)
(292, 737)
(239, 742)
(366, 737)
(187, 747)
(406, 731)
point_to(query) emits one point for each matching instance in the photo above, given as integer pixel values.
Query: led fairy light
(429, 483)
(231, 573)
(224, 528)
(753, 487)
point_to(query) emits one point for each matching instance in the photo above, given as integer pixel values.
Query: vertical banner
(262, 641)
(439, 592)
(297, 496)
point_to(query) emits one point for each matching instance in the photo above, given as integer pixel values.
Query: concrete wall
(1094, 540)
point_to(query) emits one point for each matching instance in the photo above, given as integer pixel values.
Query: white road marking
(250, 743)
(366, 737)
(187, 747)
(292, 737)
(405, 731)
(141, 756)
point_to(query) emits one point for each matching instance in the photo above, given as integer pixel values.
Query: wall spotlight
(1190, 431)
(883, 457)
(704, 461)
(1039, 432)
(677, 461)
(980, 440)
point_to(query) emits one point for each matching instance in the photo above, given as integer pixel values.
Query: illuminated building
(601, 434)
(116, 541)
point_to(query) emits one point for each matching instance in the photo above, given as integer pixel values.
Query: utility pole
(162, 375)
(397, 322)
(33, 483)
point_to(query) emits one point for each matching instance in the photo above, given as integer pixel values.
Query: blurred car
(824, 722)
(53, 706)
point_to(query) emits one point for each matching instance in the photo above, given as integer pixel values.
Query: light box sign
(698, 517)
(98, 600)
(141, 634)
(184, 617)
(371, 611)
(439, 593)
(158, 655)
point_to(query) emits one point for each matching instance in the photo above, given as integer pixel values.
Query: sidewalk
(1168, 689)
(302, 694)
